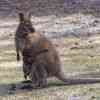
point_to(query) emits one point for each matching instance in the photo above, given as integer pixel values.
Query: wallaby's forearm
(17, 54)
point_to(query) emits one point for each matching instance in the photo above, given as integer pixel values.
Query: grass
(77, 55)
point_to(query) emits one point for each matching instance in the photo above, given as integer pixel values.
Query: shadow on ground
(10, 89)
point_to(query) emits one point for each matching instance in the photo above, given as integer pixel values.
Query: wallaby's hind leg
(34, 76)
(42, 75)
(43, 82)
(38, 75)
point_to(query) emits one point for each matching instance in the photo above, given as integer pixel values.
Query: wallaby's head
(25, 23)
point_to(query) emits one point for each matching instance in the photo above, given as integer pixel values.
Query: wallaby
(48, 63)
(25, 26)
(23, 46)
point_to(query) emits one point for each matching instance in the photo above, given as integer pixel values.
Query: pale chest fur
(31, 40)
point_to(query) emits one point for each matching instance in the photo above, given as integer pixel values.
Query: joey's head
(25, 25)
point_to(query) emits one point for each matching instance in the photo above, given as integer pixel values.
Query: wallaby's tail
(70, 81)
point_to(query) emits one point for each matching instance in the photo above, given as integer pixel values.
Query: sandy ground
(79, 48)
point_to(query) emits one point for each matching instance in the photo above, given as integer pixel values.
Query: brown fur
(39, 65)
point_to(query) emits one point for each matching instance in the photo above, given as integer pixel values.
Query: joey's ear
(21, 17)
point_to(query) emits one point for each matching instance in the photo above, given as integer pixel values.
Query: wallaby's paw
(18, 58)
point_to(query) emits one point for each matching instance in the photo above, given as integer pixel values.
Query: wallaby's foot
(43, 83)
(39, 84)
(35, 85)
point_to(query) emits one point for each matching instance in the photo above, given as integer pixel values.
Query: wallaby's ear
(21, 17)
